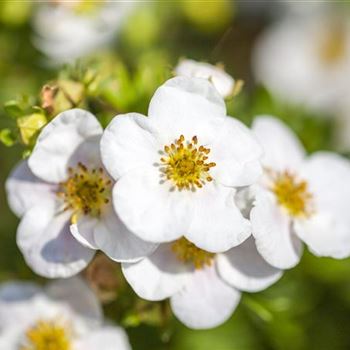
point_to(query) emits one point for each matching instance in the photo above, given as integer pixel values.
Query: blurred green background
(309, 308)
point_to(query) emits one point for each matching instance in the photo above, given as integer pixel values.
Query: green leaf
(7, 138)
(12, 109)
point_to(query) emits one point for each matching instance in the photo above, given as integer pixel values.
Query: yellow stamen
(47, 335)
(332, 46)
(186, 165)
(292, 194)
(187, 252)
(85, 192)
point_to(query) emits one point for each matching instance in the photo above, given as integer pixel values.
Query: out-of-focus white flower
(299, 199)
(305, 59)
(178, 169)
(63, 33)
(63, 191)
(222, 81)
(64, 316)
(204, 288)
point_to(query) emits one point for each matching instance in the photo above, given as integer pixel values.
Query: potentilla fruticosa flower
(222, 81)
(203, 287)
(299, 199)
(63, 196)
(304, 59)
(177, 170)
(67, 30)
(64, 316)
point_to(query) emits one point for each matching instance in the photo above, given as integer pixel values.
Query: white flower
(305, 59)
(64, 34)
(63, 190)
(177, 169)
(204, 288)
(223, 82)
(66, 312)
(299, 199)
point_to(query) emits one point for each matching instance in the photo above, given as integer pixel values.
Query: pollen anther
(85, 192)
(186, 164)
(47, 335)
(292, 193)
(187, 252)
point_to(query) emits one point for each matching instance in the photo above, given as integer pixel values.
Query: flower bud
(29, 126)
(62, 95)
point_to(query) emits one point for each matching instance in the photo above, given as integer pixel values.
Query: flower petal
(237, 154)
(223, 82)
(271, 228)
(83, 231)
(48, 246)
(324, 235)
(206, 301)
(9, 337)
(244, 199)
(14, 297)
(282, 149)
(198, 91)
(243, 268)
(116, 241)
(217, 224)
(106, 338)
(24, 190)
(189, 107)
(327, 232)
(18, 291)
(77, 294)
(128, 143)
(149, 208)
(63, 142)
(158, 276)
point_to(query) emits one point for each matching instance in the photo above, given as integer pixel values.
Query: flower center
(47, 335)
(86, 191)
(186, 164)
(292, 194)
(187, 252)
(332, 46)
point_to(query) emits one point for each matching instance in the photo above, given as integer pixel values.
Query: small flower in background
(203, 287)
(177, 170)
(64, 316)
(222, 81)
(63, 191)
(305, 59)
(299, 199)
(67, 30)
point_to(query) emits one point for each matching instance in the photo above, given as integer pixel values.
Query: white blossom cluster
(65, 315)
(196, 206)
